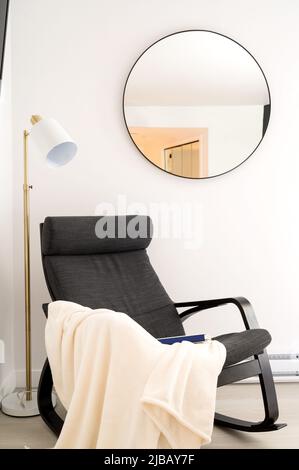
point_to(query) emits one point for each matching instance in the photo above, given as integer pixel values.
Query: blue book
(180, 339)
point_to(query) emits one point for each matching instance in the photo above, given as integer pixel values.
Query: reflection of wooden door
(187, 160)
(183, 159)
(195, 161)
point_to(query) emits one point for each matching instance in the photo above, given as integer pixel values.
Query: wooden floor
(238, 400)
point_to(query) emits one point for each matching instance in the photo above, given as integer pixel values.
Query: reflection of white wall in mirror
(234, 131)
(223, 73)
(152, 141)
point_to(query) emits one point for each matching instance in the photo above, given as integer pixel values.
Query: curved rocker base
(247, 426)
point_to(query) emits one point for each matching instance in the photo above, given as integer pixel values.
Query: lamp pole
(26, 196)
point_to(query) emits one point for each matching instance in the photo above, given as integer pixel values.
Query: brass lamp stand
(26, 208)
(59, 148)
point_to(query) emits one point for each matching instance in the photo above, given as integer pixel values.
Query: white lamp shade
(53, 142)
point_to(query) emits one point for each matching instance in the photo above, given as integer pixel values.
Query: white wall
(233, 131)
(6, 217)
(71, 60)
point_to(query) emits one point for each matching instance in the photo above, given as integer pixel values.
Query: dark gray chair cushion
(116, 273)
(241, 346)
(81, 268)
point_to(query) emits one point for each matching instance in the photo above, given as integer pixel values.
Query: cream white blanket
(124, 389)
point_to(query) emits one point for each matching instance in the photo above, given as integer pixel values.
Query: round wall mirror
(196, 104)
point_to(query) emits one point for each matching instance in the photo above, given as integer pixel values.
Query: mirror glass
(196, 104)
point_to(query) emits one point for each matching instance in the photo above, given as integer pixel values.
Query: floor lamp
(58, 147)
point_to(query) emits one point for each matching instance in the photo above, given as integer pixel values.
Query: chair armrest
(45, 309)
(244, 306)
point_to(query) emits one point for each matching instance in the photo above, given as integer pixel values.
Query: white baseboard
(21, 380)
(8, 384)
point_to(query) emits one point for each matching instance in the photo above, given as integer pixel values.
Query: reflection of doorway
(185, 160)
(152, 141)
